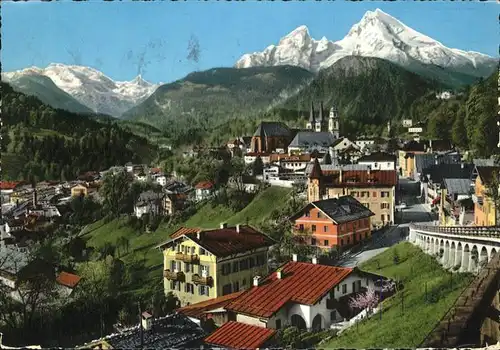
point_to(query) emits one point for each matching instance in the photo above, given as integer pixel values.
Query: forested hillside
(40, 142)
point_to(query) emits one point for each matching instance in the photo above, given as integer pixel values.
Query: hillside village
(229, 290)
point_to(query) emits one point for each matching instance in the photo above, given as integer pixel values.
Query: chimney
(315, 260)
(238, 228)
(256, 280)
(294, 257)
(223, 225)
(278, 274)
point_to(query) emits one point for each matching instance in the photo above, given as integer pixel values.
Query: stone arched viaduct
(461, 248)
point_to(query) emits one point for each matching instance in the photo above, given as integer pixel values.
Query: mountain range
(259, 80)
(86, 85)
(376, 35)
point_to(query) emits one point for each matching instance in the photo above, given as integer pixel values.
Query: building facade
(203, 264)
(485, 211)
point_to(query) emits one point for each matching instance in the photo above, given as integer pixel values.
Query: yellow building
(79, 190)
(203, 264)
(406, 157)
(484, 207)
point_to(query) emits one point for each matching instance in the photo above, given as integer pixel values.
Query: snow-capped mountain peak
(377, 34)
(93, 88)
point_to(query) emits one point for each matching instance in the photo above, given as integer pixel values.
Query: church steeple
(319, 121)
(316, 172)
(311, 124)
(334, 122)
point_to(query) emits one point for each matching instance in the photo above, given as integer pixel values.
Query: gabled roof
(458, 186)
(224, 241)
(340, 210)
(312, 139)
(236, 335)
(316, 170)
(198, 310)
(9, 185)
(68, 279)
(204, 185)
(267, 129)
(486, 173)
(425, 160)
(377, 157)
(440, 145)
(414, 146)
(437, 172)
(300, 283)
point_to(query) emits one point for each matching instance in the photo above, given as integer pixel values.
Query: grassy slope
(408, 330)
(142, 245)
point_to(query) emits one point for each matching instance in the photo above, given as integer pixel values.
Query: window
(344, 288)
(326, 243)
(172, 285)
(226, 289)
(244, 283)
(332, 293)
(204, 290)
(325, 228)
(202, 251)
(374, 194)
(384, 205)
(236, 286)
(301, 227)
(226, 269)
(243, 264)
(382, 217)
(236, 266)
(251, 262)
(187, 267)
(341, 242)
(333, 315)
(313, 228)
(308, 214)
(359, 284)
(172, 266)
(348, 240)
(189, 288)
(354, 287)
(318, 215)
(278, 324)
(313, 241)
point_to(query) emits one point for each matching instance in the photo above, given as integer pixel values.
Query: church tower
(320, 120)
(315, 183)
(311, 124)
(334, 122)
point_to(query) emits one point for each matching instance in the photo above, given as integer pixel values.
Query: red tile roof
(204, 185)
(9, 185)
(68, 279)
(198, 310)
(155, 170)
(302, 283)
(226, 241)
(238, 335)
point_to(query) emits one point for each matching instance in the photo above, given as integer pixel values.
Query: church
(320, 134)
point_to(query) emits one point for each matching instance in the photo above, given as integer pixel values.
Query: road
(415, 212)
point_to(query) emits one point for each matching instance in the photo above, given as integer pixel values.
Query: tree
(459, 132)
(367, 300)
(257, 166)
(114, 189)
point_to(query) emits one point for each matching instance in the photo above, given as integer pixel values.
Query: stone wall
(473, 319)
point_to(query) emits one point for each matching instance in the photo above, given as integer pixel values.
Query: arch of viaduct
(459, 248)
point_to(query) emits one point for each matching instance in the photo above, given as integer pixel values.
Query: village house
(204, 190)
(379, 161)
(83, 189)
(485, 211)
(423, 161)
(149, 202)
(250, 157)
(375, 189)
(271, 137)
(292, 296)
(66, 283)
(456, 206)
(406, 157)
(7, 188)
(416, 129)
(335, 222)
(364, 143)
(433, 176)
(202, 264)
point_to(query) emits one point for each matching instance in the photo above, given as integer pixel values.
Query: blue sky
(115, 37)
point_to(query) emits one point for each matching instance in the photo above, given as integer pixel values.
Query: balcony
(477, 200)
(204, 281)
(188, 258)
(173, 275)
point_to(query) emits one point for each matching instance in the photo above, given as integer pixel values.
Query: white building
(407, 123)
(379, 161)
(292, 296)
(203, 190)
(149, 202)
(364, 143)
(161, 180)
(250, 157)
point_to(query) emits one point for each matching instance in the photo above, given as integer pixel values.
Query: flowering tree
(367, 300)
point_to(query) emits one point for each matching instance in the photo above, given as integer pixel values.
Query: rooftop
(68, 279)
(312, 139)
(173, 331)
(458, 186)
(236, 335)
(437, 172)
(301, 283)
(340, 210)
(486, 173)
(224, 241)
(198, 310)
(204, 185)
(267, 129)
